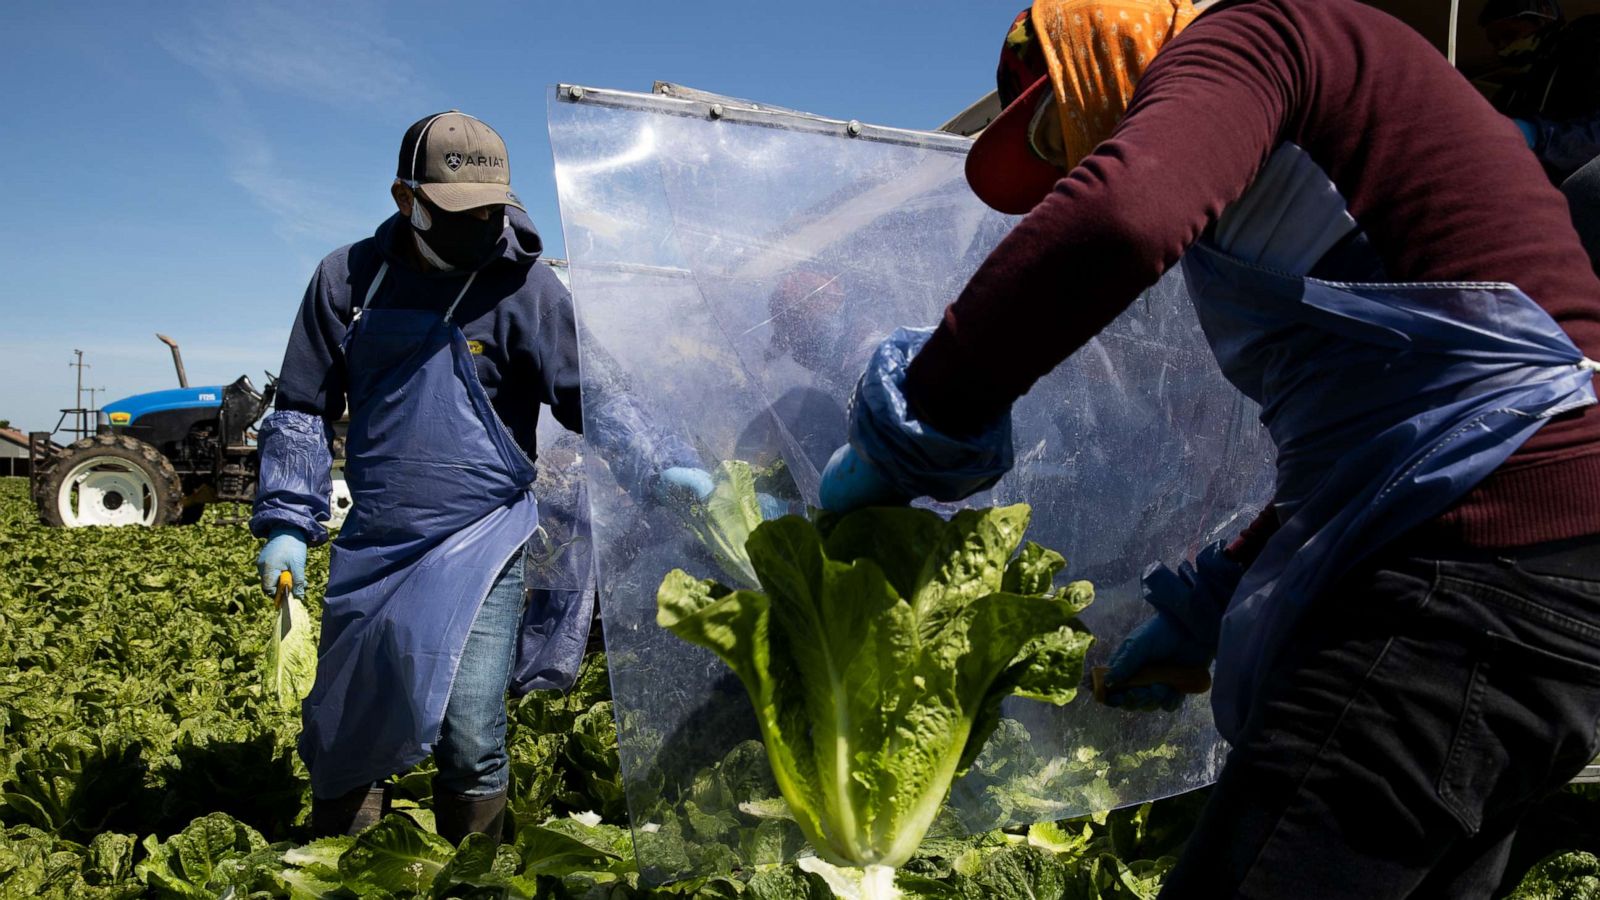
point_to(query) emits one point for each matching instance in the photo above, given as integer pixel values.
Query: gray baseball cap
(457, 162)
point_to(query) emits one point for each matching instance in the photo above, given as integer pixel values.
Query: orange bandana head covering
(1096, 51)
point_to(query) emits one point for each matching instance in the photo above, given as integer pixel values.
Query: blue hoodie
(517, 312)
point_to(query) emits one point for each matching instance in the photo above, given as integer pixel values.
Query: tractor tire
(112, 480)
(339, 500)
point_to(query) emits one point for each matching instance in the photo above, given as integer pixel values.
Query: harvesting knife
(1186, 679)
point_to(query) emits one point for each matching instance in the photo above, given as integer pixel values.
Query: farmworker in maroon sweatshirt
(441, 336)
(1407, 643)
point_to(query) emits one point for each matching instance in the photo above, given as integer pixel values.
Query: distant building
(13, 453)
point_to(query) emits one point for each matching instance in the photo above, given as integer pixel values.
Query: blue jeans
(471, 753)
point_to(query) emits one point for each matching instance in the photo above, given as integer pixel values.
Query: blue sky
(182, 167)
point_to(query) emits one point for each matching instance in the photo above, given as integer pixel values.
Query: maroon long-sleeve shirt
(1443, 186)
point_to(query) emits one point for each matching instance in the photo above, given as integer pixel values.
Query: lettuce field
(142, 755)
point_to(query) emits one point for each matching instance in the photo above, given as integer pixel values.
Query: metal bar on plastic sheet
(670, 89)
(635, 269)
(769, 118)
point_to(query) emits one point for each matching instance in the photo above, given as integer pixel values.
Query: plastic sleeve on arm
(634, 446)
(1206, 116)
(610, 419)
(296, 475)
(916, 458)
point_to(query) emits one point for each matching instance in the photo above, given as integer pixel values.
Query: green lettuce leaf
(396, 856)
(470, 867)
(320, 858)
(568, 846)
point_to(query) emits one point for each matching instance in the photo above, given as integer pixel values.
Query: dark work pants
(1426, 704)
(1583, 195)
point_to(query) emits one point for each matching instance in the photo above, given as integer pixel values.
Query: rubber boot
(455, 816)
(351, 813)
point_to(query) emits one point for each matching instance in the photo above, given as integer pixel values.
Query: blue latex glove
(850, 482)
(1529, 133)
(1184, 631)
(772, 507)
(684, 484)
(1159, 641)
(285, 551)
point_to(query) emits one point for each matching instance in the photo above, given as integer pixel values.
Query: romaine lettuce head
(291, 654)
(876, 656)
(723, 523)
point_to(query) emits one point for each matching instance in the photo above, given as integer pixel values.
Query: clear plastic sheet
(731, 272)
(560, 553)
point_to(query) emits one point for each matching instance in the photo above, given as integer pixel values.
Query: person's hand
(771, 507)
(285, 551)
(1183, 633)
(1160, 641)
(893, 457)
(850, 482)
(684, 484)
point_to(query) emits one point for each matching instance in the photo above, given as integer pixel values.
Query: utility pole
(83, 428)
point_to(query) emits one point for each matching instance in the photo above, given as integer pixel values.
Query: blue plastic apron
(559, 574)
(443, 501)
(1387, 403)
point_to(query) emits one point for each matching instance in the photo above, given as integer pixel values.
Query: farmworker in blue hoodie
(1551, 83)
(442, 337)
(811, 334)
(1552, 92)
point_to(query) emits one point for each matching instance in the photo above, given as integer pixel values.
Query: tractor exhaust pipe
(177, 359)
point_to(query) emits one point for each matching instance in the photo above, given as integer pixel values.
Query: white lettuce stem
(877, 883)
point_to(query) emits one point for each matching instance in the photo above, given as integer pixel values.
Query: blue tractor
(155, 459)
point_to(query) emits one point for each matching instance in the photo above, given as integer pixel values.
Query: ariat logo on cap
(456, 161)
